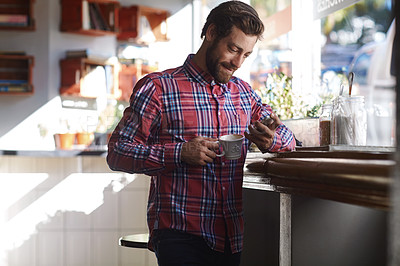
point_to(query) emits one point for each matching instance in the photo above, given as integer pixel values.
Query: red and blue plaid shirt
(172, 107)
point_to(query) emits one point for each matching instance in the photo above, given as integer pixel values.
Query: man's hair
(234, 13)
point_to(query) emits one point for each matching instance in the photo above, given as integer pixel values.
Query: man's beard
(215, 67)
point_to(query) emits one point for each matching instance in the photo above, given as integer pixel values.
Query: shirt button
(219, 113)
(223, 188)
(215, 95)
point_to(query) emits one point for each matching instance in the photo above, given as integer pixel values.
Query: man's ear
(211, 33)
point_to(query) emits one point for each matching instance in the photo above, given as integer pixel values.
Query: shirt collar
(200, 75)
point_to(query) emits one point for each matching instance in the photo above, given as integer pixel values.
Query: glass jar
(349, 121)
(325, 125)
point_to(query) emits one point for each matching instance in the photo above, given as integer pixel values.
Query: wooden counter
(359, 176)
(355, 177)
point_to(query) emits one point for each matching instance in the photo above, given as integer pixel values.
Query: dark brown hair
(234, 13)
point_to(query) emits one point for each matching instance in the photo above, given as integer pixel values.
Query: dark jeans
(176, 248)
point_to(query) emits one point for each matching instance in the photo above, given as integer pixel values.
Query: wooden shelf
(90, 17)
(129, 75)
(16, 74)
(17, 15)
(87, 77)
(131, 27)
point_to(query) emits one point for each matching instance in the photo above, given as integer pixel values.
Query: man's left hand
(263, 135)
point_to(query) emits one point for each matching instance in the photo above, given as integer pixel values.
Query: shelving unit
(131, 26)
(90, 17)
(17, 15)
(88, 77)
(16, 74)
(128, 75)
(102, 17)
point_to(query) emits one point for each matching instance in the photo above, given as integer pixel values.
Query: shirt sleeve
(284, 139)
(133, 146)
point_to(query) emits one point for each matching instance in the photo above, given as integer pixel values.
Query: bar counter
(354, 176)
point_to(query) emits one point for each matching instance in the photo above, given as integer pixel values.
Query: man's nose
(238, 60)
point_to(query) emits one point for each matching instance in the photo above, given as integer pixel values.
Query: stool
(134, 241)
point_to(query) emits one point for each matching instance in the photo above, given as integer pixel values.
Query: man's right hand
(199, 151)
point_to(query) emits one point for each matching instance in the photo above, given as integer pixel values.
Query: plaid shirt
(170, 108)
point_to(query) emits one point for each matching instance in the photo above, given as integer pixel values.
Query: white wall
(22, 115)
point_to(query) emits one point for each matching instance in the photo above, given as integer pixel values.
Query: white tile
(23, 255)
(133, 209)
(140, 181)
(53, 223)
(94, 164)
(19, 193)
(75, 220)
(50, 249)
(5, 164)
(70, 166)
(106, 215)
(133, 256)
(105, 248)
(151, 259)
(77, 249)
(22, 165)
(54, 168)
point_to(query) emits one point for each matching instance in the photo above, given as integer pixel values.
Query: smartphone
(267, 121)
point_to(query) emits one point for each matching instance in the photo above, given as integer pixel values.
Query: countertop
(360, 176)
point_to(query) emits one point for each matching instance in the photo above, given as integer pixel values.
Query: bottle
(349, 121)
(325, 125)
(360, 120)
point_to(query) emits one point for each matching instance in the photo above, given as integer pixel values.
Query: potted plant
(66, 136)
(293, 109)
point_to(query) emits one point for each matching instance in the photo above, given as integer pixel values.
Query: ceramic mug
(231, 146)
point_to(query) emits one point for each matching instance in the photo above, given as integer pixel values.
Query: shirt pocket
(236, 121)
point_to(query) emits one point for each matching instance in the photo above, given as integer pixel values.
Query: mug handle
(223, 152)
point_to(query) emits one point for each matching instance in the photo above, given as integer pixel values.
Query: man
(169, 132)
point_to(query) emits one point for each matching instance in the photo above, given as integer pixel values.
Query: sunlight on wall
(29, 134)
(79, 192)
(174, 52)
(13, 187)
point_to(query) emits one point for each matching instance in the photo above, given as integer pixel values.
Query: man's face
(226, 55)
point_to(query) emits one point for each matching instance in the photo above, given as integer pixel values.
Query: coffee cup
(231, 146)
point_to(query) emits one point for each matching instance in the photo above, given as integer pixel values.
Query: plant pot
(84, 138)
(64, 141)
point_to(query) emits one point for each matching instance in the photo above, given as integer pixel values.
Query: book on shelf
(13, 82)
(13, 20)
(97, 20)
(12, 53)
(85, 15)
(13, 88)
(86, 53)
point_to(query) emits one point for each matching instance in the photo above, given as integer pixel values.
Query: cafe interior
(67, 69)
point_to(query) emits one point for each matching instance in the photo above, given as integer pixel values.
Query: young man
(169, 132)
